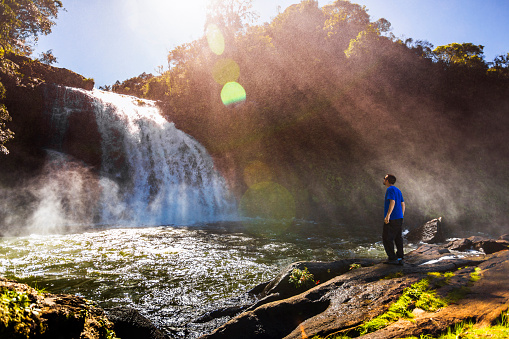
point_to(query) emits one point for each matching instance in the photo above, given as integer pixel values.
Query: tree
(133, 86)
(47, 57)
(500, 65)
(21, 22)
(5, 133)
(345, 20)
(231, 16)
(465, 54)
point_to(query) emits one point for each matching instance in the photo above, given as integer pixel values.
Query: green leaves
(466, 54)
(301, 278)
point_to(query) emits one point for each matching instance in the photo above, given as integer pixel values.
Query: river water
(173, 274)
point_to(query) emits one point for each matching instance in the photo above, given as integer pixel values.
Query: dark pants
(392, 234)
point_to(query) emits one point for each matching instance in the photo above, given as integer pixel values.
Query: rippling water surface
(175, 274)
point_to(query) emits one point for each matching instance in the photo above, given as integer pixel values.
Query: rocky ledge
(442, 284)
(464, 279)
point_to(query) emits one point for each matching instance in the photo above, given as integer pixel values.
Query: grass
(468, 330)
(463, 330)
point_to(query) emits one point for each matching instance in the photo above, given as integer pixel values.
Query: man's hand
(391, 207)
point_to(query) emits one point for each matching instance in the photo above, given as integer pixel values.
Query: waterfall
(149, 172)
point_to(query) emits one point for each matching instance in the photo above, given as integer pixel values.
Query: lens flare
(256, 172)
(225, 70)
(233, 93)
(267, 200)
(215, 39)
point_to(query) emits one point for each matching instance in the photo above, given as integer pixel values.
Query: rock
(504, 237)
(322, 272)
(130, 324)
(50, 315)
(346, 301)
(280, 288)
(492, 246)
(222, 312)
(431, 233)
(36, 72)
(460, 245)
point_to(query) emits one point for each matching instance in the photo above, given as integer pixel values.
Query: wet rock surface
(349, 297)
(129, 323)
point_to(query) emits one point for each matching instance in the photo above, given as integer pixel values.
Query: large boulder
(430, 233)
(130, 324)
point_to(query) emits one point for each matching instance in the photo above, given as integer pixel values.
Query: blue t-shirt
(393, 193)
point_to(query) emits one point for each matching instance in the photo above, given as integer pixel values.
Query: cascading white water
(151, 173)
(167, 177)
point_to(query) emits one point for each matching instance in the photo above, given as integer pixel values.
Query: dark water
(175, 274)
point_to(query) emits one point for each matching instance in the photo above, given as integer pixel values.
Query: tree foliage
(47, 57)
(465, 54)
(21, 22)
(231, 15)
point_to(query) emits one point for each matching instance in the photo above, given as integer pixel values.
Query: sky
(111, 40)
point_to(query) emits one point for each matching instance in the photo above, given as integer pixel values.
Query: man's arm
(403, 207)
(389, 211)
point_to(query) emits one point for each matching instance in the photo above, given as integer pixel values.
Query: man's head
(390, 179)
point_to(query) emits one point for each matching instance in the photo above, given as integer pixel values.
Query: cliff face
(26, 102)
(33, 72)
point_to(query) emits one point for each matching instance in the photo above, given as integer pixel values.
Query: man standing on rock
(394, 210)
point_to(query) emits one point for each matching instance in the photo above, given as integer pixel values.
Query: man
(394, 210)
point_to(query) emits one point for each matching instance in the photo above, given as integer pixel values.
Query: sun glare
(170, 18)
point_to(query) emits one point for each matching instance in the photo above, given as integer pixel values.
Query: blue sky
(111, 40)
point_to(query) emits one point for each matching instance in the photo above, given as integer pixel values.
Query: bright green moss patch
(476, 275)
(468, 330)
(419, 295)
(18, 319)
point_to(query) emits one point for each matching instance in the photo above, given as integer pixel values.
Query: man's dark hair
(391, 179)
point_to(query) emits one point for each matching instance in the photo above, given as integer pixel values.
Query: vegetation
(23, 317)
(419, 295)
(465, 330)
(301, 278)
(21, 22)
(469, 330)
(18, 317)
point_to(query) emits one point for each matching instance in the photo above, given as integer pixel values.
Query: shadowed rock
(129, 323)
(430, 233)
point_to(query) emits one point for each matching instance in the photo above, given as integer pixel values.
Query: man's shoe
(400, 261)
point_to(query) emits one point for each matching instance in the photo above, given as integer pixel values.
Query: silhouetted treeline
(334, 102)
